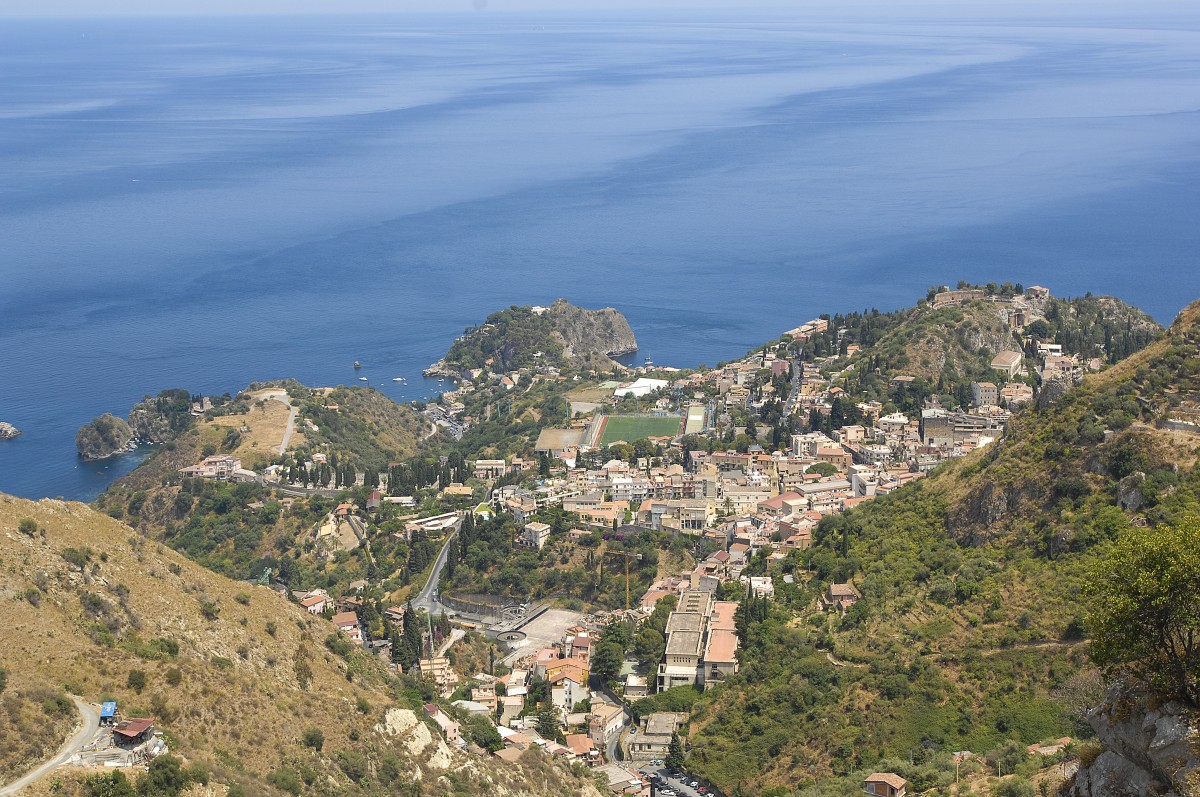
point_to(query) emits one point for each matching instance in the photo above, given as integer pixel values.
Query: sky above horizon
(119, 8)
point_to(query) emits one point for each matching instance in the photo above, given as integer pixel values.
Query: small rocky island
(558, 335)
(8, 431)
(103, 437)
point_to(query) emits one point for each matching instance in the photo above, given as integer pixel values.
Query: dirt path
(282, 397)
(87, 730)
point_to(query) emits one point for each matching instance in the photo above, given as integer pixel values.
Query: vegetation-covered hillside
(946, 348)
(970, 632)
(364, 426)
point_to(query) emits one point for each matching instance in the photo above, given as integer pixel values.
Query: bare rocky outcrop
(1129, 492)
(8, 431)
(590, 332)
(1055, 388)
(420, 742)
(1150, 749)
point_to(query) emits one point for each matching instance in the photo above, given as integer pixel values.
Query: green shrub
(314, 738)
(114, 784)
(136, 680)
(338, 644)
(285, 779)
(353, 763)
(1014, 787)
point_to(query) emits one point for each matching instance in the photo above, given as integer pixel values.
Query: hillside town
(707, 465)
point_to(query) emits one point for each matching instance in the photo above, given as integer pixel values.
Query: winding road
(427, 598)
(87, 730)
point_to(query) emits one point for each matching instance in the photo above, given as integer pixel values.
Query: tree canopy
(1146, 616)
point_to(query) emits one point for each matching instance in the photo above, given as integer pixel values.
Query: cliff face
(103, 437)
(1150, 750)
(159, 419)
(589, 332)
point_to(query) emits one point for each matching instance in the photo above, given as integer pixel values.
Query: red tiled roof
(891, 779)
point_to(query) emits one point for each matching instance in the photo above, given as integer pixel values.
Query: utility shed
(132, 730)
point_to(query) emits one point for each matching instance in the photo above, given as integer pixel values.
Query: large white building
(701, 641)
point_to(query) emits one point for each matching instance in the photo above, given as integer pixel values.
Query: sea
(204, 202)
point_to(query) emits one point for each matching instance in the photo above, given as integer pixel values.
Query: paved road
(427, 598)
(455, 635)
(794, 394)
(291, 424)
(90, 723)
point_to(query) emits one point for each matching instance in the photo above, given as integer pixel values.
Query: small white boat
(397, 379)
(362, 379)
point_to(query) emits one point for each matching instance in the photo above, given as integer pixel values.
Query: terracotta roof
(345, 618)
(313, 601)
(722, 646)
(580, 743)
(573, 672)
(890, 778)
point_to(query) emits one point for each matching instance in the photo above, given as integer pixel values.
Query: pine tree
(674, 759)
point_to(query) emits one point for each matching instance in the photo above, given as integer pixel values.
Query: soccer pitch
(635, 427)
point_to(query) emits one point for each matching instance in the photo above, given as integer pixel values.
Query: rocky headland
(559, 335)
(154, 420)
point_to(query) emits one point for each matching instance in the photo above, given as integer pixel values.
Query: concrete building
(701, 643)
(489, 468)
(1008, 362)
(885, 784)
(535, 535)
(448, 726)
(984, 394)
(655, 737)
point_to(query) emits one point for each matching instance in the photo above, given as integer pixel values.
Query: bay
(203, 203)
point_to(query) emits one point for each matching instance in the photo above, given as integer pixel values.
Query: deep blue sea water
(201, 203)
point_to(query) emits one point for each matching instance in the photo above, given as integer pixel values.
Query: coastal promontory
(519, 337)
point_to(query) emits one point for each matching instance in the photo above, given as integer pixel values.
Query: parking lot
(677, 784)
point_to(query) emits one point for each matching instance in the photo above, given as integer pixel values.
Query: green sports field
(635, 427)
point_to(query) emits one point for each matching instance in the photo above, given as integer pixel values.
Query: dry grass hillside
(258, 432)
(234, 673)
